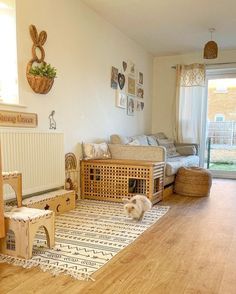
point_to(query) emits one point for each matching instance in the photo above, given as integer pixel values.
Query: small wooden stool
(193, 181)
(21, 225)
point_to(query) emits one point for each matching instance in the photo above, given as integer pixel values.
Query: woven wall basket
(41, 85)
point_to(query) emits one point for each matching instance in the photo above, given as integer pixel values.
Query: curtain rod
(219, 63)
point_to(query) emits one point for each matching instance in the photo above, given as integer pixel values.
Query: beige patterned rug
(87, 238)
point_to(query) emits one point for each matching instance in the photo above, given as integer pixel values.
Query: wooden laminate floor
(190, 250)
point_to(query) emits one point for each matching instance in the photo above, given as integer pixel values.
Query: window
(221, 89)
(219, 117)
(8, 53)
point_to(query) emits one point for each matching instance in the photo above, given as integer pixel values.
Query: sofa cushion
(117, 139)
(96, 151)
(186, 150)
(134, 142)
(170, 147)
(174, 163)
(141, 138)
(152, 140)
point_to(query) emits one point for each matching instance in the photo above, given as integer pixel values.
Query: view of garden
(221, 135)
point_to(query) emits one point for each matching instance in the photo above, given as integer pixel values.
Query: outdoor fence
(222, 133)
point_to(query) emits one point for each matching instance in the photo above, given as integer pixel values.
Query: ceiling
(169, 27)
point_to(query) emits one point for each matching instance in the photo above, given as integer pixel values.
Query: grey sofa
(156, 147)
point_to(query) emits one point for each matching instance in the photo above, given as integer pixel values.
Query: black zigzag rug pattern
(87, 238)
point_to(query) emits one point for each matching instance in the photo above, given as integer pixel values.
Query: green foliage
(45, 70)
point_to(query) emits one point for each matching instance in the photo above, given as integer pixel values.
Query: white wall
(83, 47)
(164, 85)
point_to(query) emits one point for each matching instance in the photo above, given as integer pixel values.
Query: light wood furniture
(193, 181)
(59, 201)
(14, 179)
(20, 232)
(21, 224)
(114, 179)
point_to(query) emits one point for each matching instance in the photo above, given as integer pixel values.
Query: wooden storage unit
(59, 201)
(113, 179)
(20, 232)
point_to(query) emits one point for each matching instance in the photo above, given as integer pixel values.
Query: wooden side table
(114, 179)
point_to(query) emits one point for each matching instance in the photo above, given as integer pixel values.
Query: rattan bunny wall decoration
(40, 78)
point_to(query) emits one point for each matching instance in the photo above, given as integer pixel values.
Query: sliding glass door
(220, 134)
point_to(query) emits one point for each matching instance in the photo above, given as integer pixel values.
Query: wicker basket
(41, 85)
(193, 181)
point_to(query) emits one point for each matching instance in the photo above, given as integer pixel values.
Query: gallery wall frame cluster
(128, 84)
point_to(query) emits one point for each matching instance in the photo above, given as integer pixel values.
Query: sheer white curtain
(190, 103)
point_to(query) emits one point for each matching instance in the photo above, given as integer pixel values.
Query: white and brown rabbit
(137, 206)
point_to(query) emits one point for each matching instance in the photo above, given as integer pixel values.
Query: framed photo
(142, 105)
(124, 65)
(130, 105)
(140, 78)
(138, 105)
(131, 86)
(121, 99)
(114, 77)
(140, 92)
(121, 80)
(131, 68)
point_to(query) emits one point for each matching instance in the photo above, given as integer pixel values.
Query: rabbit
(137, 206)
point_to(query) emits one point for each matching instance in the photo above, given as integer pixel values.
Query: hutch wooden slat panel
(113, 179)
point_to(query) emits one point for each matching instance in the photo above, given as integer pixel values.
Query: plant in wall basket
(45, 70)
(40, 77)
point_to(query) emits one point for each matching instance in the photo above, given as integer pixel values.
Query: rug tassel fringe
(45, 268)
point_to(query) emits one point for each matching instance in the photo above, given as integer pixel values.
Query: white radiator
(39, 156)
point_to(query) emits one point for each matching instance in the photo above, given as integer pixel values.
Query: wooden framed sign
(18, 119)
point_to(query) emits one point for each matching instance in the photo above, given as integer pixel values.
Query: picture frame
(114, 77)
(121, 80)
(121, 99)
(140, 78)
(131, 86)
(130, 105)
(140, 92)
(142, 106)
(138, 105)
(131, 68)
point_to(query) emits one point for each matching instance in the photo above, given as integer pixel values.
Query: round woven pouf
(193, 181)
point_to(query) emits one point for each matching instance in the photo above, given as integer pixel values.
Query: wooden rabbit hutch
(113, 179)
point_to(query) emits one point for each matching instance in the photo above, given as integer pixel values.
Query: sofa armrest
(152, 153)
(180, 146)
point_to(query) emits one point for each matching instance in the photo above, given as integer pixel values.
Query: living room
(83, 43)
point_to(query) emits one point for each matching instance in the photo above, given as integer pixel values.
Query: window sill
(12, 105)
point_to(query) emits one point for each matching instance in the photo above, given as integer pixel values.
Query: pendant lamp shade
(211, 48)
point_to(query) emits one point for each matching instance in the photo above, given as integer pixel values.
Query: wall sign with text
(18, 119)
